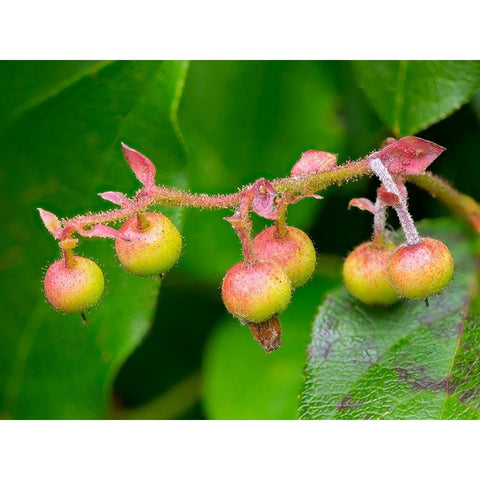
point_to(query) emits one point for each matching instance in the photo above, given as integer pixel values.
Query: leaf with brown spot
(407, 361)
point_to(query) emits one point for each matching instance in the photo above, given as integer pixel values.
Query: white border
(238, 449)
(251, 29)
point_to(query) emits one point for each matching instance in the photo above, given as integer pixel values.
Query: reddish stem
(68, 258)
(294, 186)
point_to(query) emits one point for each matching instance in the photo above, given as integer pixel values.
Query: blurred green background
(209, 126)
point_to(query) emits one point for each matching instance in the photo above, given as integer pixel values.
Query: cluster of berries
(381, 275)
(257, 291)
(279, 259)
(74, 284)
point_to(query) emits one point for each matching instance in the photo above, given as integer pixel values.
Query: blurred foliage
(242, 382)
(61, 127)
(60, 141)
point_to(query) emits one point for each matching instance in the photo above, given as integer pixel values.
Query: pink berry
(294, 252)
(418, 271)
(75, 288)
(256, 293)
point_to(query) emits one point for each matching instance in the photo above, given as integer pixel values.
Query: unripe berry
(256, 293)
(365, 273)
(75, 288)
(294, 252)
(418, 271)
(154, 248)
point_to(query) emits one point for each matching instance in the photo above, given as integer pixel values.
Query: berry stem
(142, 222)
(281, 221)
(379, 220)
(462, 205)
(69, 257)
(243, 232)
(242, 225)
(411, 234)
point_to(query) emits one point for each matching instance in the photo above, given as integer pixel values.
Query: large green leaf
(60, 129)
(412, 95)
(241, 381)
(244, 120)
(409, 361)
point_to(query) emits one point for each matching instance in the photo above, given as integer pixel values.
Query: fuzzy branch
(407, 157)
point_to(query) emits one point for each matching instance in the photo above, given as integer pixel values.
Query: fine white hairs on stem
(406, 221)
(379, 219)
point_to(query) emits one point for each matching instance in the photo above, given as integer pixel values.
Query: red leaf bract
(142, 167)
(408, 155)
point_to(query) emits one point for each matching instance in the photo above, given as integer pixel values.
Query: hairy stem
(462, 205)
(281, 221)
(164, 196)
(68, 258)
(379, 220)
(406, 221)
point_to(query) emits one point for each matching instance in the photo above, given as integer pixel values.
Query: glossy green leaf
(408, 361)
(241, 381)
(409, 96)
(61, 126)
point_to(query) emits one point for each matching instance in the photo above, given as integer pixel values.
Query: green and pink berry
(294, 252)
(421, 270)
(365, 273)
(155, 244)
(255, 293)
(76, 287)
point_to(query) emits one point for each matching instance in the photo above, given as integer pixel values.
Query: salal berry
(154, 247)
(418, 271)
(365, 273)
(294, 252)
(75, 288)
(256, 293)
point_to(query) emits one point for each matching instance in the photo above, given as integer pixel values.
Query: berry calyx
(75, 287)
(255, 293)
(294, 252)
(420, 270)
(365, 273)
(155, 244)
